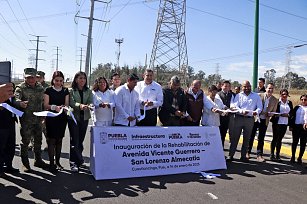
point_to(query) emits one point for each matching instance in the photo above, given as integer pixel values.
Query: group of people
(124, 105)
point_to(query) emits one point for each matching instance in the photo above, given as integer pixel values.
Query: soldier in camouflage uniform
(30, 94)
(40, 77)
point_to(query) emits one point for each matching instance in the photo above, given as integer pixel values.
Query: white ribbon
(52, 114)
(207, 175)
(48, 113)
(11, 109)
(144, 115)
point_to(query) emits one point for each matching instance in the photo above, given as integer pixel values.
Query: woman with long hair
(81, 100)
(55, 98)
(103, 101)
(297, 126)
(280, 123)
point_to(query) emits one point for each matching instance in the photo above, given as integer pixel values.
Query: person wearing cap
(174, 103)
(127, 106)
(150, 97)
(30, 95)
(40, 76)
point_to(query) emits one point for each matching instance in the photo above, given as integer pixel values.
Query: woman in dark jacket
(280, 123)
(297, 126)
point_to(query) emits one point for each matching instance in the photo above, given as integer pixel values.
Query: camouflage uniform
(45, 86)
(30, 124)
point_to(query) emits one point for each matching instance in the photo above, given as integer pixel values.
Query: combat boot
(39, 162)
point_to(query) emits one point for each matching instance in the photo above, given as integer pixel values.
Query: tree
(200, 75)
(269, 76)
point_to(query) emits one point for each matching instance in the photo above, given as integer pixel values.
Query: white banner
(125, 152)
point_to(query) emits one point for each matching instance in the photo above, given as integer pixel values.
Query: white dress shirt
(104, 116)
(283, 108)
(249, 103)
(150, 92)
(126, 104)
(210, 118)
(300, 115)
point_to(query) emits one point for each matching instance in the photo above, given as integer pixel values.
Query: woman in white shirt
(297, 126)
(280, 123)
(103, 101)
(211, 117)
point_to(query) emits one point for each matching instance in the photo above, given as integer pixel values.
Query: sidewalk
(286, 144)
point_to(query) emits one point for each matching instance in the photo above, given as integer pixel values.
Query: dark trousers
(150, 118)
(261, 134)
(172, 121)
(298, 134)
(224, 120)
(279, 131)
(240, 124)
(7, 146)
(77, 135)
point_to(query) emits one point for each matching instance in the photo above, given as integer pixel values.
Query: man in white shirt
(269, 105)
(127, 106)
(249, 105)
(150, 97)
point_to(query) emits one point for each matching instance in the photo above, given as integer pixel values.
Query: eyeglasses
(304, 99)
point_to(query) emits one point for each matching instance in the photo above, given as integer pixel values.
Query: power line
(18, 38)
(18, 21)
(239, 22)
(25, 17)
(285, 12)
(282, 47)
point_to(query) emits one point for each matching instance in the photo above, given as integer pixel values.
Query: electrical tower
(287, 69)
(169, 48)
(118, 41)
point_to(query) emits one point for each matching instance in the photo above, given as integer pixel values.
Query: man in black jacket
(174, 103)
(7, 139)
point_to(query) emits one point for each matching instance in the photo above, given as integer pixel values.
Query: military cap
(29, 72)
(40, 73)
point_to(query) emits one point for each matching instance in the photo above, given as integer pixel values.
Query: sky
(219, 33)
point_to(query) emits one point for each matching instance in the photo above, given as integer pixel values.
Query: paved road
(252, 182)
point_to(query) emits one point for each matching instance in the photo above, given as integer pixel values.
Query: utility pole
(81, 56)
(217, 72)
(118, 41)
(90, 29)
(37, 42)
(57, 58)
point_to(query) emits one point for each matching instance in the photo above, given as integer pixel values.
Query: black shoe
(59, 167)
(27, 168)
(229, 158)
(299, 161)
(244, 159)
(272, 157)
(292, 160)
(278, 158)
(53, 168)
(11, 170)
(41, 164)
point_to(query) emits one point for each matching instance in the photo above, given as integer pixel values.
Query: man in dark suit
(7, 139)
(225, 95)
(174, 103)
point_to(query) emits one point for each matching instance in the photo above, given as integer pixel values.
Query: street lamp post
(118, 41)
